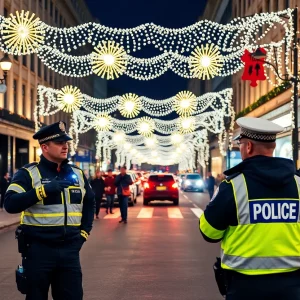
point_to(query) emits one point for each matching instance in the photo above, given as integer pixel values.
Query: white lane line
(197, 211)
(174, 213)
(113, 216)
(146, 213)
(185, 196)
(195, 205)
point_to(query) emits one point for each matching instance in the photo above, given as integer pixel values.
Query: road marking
(197, 211)
(195, 205)
(191, 201)
(146, 213)
(185, 196)
(174, 213)
(113, 216)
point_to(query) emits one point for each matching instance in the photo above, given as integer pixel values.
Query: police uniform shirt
(266, 178)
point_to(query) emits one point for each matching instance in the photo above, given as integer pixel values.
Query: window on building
(32, 62)
(51, 8)
(5, 12)
(32, 102)
(51, 78)
(287, 3)
(15, 95)
(24, 59)
(5, 100)
(60, 21)
(45, 73)
(275, 5)
(39, 69)
(24, 99)
(46, 4)
(16, 58)
(56, 16)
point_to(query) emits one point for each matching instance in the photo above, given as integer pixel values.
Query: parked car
(136, 181)
(133, 189)
(192, 182)
(161, 187)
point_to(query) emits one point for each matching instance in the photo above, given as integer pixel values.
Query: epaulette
(30, 165)
(228, 178)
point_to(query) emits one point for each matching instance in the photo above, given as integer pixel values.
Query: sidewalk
(8, 219)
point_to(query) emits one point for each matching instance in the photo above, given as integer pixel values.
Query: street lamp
(5, 64)
(295, 79)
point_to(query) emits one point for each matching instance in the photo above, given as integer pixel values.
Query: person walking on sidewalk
(97, 185)
(110, 191)
(122, 182)
(5, 182)
(210, 183)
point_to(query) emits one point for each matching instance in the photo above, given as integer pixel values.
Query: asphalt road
(159, 254)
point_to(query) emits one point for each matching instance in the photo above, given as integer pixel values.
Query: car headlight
(200, 182)
(187, 182)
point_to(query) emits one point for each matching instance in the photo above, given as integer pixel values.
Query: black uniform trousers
(283, 286)
(98, 199)
(57, 265)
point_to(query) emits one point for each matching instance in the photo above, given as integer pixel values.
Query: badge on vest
(274, 211)
(45, 180)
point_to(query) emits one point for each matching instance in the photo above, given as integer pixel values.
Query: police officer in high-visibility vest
(255, 214)
(57, 206)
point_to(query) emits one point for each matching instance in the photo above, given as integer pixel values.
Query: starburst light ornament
(151, 142)
(145, 126)
(109, 60)
(130, 105)
(119, 136)
(102, 122)
(23, 34)
(176, 138)
(206, 61)
(185, 103)
(69, 99)
(187, 125)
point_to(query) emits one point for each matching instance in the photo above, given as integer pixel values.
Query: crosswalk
(157, 213)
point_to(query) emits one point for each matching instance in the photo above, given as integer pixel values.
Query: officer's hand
(56, 186)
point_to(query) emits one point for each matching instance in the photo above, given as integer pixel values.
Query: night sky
(131, 13)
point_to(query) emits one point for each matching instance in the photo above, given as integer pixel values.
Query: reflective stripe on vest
(54, 215)
(16, 188)
(253, 246)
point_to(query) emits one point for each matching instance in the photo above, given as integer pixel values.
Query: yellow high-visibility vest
(54, 214)
(267, 237)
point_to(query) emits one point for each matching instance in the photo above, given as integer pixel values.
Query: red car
(161, 187)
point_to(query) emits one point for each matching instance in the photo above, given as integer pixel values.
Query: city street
(159, 254)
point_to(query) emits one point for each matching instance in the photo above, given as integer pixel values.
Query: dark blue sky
(130, 13)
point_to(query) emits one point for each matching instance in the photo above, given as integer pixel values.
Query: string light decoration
(23, 34)
(108, 60)
(176, 138)
(145, 126)
(185, 103)
(176, 45)
(119, 136)
(102, 122)
(69, 99)
(130, 105)
(151, 142)
(187, 124)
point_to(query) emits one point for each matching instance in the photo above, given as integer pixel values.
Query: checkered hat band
(49, 138)
(258, 136)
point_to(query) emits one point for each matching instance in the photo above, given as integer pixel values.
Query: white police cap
(258, 129)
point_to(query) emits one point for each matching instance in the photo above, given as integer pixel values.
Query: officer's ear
(45, 146)
(250, 147)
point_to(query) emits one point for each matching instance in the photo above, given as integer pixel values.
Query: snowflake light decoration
(109, 60)
(186, 124)
(130, 105)
(103, 122)
(145, 126)
(69, 99)
(23, 34)
(206, 61)
(185, 103)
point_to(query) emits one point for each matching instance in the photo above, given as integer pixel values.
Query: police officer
(57, 206)
(255, 214)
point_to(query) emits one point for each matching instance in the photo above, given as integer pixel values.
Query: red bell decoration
(254, 67)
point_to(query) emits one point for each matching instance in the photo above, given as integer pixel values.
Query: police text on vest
(270, 211)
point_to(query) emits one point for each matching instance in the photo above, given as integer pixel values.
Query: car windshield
(193, 176)
(161, 178)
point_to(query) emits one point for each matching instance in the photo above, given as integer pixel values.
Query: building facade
(277, 109)
(18, 103)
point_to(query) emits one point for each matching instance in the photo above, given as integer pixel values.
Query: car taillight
(146, 185)
(175, 185)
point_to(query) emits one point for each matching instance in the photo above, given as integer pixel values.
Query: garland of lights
(202, 50)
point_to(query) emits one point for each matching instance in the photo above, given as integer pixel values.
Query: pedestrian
(5, 182)
(110, 191)
(57, 206)
(97, 185)
(210, 184)
(255, 214)
(122, 182)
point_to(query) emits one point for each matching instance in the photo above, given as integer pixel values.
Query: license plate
(161, 188)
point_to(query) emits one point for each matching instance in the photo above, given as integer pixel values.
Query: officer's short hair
(109, 170)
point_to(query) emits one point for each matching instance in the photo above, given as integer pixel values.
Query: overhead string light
(202, 50)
